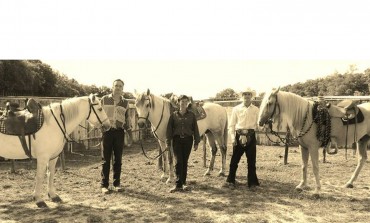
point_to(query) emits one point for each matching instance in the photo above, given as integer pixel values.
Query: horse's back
(216, 120)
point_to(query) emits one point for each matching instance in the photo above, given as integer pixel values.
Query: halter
(62, 118)
(301, 133)
(147, 118)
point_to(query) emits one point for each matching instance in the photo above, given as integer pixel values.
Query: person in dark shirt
(182, 130)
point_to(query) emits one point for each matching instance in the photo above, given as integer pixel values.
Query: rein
(153, 132)
(301, 132)
(62, 118)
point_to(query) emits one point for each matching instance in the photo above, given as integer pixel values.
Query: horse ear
(276, 91)
(148, 92)
(135, 93)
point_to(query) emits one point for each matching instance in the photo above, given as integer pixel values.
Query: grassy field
(146, 198)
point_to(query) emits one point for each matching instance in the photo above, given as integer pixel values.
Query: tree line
(351, 83)
(35, 78)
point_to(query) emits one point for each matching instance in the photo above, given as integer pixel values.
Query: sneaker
(185, 188)
(175, 189)
(117, 188)
(104, 190)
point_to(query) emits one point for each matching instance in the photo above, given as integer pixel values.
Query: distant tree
(227, 94)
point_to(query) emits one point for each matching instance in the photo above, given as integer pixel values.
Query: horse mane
(142, 97)
(293, 106)
(70, 107)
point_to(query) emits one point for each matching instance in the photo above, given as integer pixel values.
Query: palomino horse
(60, 119)
(297, 113)
(157, 110)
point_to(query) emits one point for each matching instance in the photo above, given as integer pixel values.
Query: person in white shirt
(242, 127)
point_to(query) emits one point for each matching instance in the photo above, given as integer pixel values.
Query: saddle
(22, 122)
(352, 114)
(197, 109)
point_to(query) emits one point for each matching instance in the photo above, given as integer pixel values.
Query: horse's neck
(293, 109)
(159, 116)
(73, 113)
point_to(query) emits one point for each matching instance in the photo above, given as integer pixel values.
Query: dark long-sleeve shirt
(183, 126)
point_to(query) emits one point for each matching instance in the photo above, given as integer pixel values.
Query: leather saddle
(22, 122)
(197, 109)
(16, 121)
(352, 114)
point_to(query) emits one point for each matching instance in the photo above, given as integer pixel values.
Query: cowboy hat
(249, 90)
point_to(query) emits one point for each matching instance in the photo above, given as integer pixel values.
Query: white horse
(60, 119)
(157, 110)
(297, 112)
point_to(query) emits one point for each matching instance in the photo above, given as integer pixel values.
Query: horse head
(143, 104)
(99, 118)
(268, 108)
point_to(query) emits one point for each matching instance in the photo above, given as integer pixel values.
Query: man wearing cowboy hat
(243, 124)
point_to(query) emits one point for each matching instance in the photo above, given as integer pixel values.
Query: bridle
(153, 130)
(147, 118)
(284, 140)
(62, 118)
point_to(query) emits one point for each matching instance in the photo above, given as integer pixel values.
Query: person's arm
(196, 133)
(233, 121)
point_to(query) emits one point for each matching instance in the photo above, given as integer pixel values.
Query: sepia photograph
(184, 111)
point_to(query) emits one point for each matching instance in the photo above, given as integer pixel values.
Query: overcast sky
(189, 47)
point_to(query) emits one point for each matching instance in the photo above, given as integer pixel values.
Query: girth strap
(27, 149)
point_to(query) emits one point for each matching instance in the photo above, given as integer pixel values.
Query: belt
(244, 131)
(182, 136)
(115, 129)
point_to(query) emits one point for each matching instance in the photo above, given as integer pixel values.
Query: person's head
(247, 95)
(183, 101)
(117, 87)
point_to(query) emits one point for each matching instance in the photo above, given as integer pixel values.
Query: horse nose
(106, 126)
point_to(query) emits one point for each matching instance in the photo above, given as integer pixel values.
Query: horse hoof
(41, 204)
(298, 189)
(56, 199)
(207, 173)
(316, 196)
(168, 181)
(221, 174)
(349, 185)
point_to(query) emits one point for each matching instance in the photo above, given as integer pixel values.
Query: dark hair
(182, 97)
(119, 80)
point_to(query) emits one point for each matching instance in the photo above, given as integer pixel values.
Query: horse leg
(314, 152)
(213, 148)
(171, 172)
(324, 154)
(362, 157)
(51, 173)
(303, 183)
(40, 174)
(223, 149)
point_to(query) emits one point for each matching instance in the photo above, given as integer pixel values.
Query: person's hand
(195, 147)
(233, 142)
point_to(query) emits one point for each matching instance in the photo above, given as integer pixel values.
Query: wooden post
(204, 139)
(12, 167)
